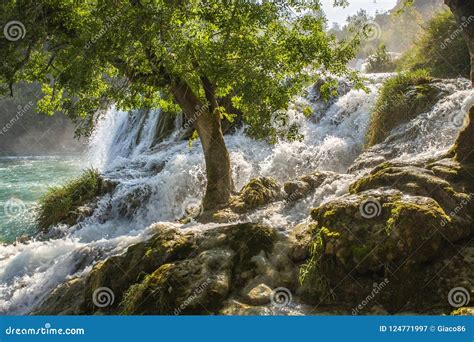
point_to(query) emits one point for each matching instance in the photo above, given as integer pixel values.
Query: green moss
(258, 192)
(139, 296)
(430, 211)
(329, 213)
(312, 276)
(316, 250)
(58, 204)
(360, 252)
(401, 99)
(438, 50)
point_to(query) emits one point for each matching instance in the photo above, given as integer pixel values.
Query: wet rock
(258, 192)
(300, 240)
(399, 227)
(193, 286)
(213, 262)
(462, 148)
(62, 301)
(298, 189)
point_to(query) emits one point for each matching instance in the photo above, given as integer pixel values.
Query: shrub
(401, 99)
(441, 49)
(380, 61)
(58, 205)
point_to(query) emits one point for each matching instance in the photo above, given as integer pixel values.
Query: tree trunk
(463, 11)
(207, 122)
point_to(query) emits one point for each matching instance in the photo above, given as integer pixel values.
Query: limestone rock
(258, 295)
(258, 192)
(193, 286)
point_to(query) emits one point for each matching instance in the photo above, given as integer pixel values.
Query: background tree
(212, 59)
(439, 49)
(464, 13)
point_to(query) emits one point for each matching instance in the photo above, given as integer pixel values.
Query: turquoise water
(22, 182)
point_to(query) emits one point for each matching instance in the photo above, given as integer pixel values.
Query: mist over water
(155, 180)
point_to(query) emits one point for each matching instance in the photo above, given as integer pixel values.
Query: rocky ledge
(399, 241)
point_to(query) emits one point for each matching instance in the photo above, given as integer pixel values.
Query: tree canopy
(89, 54)
(246, 58)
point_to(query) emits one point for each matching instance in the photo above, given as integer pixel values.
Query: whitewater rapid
(155, 182)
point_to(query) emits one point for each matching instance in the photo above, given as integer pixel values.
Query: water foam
(152, 183)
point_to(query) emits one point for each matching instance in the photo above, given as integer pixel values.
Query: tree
(438, 50)
(380, 61)
(464, 13)
(211, 59)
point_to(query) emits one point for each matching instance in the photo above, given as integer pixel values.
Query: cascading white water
(153, 184)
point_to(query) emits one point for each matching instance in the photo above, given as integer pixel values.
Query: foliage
(401, 98)
(441, 49)
(397, 28)
(380, 61)
(58, 204)
(88, 54)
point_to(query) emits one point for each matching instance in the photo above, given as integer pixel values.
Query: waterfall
(156, 174)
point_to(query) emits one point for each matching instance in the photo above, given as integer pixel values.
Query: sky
(339, 14)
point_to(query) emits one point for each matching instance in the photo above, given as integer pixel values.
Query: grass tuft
(58, 205)
(401, 99)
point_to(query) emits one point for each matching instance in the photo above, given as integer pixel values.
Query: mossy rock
(118, 273)
(402, 225)
(372, 235)
(64, 204)
(417, 181)
(193, 286)
(170, 255)
(258, 192)
(299, 188)
(401, 99)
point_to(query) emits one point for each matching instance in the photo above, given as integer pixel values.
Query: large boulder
(197, 285)
(392, 234)
(174, 271)
(258, 192)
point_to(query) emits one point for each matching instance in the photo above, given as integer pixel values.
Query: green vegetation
(259, 191)
(441, 49)
(211, 59)
(58, 205)
(401, 99)
(380, 61)
(397, 29)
